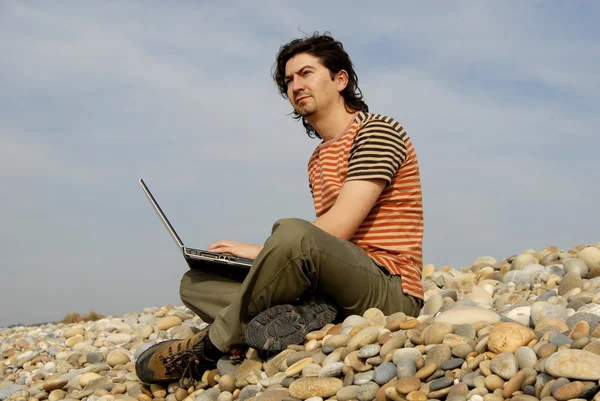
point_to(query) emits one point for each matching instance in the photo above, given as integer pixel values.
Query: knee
(291, 234)
(292, 228)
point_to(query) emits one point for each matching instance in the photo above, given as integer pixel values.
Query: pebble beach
(523, 328)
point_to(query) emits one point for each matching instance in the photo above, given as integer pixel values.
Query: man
(362, 251)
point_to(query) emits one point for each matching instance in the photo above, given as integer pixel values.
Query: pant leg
(300, 257)
(206, 293)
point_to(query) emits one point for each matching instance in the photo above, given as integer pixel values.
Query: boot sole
(281, 325)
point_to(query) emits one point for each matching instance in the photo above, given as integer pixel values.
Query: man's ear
(341, 80)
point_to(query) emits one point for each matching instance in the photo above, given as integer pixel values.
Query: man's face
(310, 88)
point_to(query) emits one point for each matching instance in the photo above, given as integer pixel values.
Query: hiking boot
(281, 325)
(174, 359)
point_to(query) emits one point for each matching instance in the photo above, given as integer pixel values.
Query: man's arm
(354, 202)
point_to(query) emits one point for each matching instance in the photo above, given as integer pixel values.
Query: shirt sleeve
(378, 152)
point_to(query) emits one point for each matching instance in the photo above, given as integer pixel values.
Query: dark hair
(332, 55)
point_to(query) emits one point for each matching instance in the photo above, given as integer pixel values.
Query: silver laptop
(197, 258)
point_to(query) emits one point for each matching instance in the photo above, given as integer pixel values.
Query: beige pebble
(297, 367)
(168, 322)
(56, 395)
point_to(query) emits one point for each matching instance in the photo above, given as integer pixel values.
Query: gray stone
(225, 367)
(449, 293)
(441, 383)
(385, 372)
(518, 277)
(212, 394)
(328, 349)
(526, 357)
(546, 295)
(367, 392)
(369, 351)
(576, 265)
(452, 364)
(465, 330)
(334, 369)
(6, 391)
(247, 392)
(405, 368)
(568, 282)
(592, 319)
(469, 378)
(504, 365)
(559, 339)
(545, 310)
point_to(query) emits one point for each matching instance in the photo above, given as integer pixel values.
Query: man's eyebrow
(300, 70)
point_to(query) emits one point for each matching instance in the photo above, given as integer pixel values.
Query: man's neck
(333, 124)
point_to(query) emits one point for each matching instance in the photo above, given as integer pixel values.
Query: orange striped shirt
(377, 147)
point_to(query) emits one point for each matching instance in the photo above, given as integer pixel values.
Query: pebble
(512, 328)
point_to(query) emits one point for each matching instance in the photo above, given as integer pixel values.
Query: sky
(500, 100)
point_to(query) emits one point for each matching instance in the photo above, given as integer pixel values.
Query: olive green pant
(297, 257)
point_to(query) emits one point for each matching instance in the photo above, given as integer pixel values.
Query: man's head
(315, 73)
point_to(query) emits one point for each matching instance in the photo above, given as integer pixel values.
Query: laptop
(198, 258)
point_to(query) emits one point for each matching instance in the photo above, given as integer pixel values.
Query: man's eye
(305, 73)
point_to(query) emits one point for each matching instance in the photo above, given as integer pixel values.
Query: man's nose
(297, 85)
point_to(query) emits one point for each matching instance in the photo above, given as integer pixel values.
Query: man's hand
(238, 249)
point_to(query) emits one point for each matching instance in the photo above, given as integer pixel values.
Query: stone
(591, 256)
(167, 322)
(574, 364)
(117, 357)
(526, 357)
(367, 392)
(465, 330)
(323, 387)
(568, 282)
(406, 354)
(347, 393)
(520, 315)
(508, 337)
(375, 317)
(405, 368)
(438, 354)
(369, 351)
(407, 385)
(119, 338)
(384, 373)
(569, 391)
(592, 319)
(55, 384)
(334, 369)
(467, 315)
(433, 304)
(505, 365)
(576, 265)
(434, 334)
(519, 262)
(441, 383)
(545, 310)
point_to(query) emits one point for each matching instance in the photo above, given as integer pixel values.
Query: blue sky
(500, 99)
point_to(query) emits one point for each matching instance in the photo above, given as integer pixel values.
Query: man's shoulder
(374, 120)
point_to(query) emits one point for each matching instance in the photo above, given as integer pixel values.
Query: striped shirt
(377, 147)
